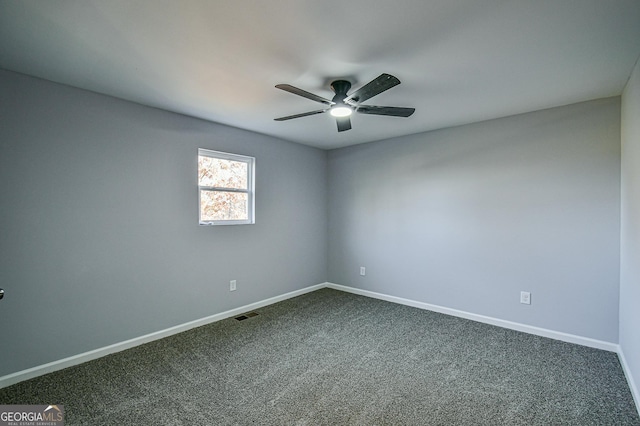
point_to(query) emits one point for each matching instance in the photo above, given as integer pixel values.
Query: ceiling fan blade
(292, 89)
(373, 88)
(344, 123)
(304, 114)
(385, 110)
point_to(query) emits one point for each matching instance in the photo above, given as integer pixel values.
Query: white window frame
(251, 172)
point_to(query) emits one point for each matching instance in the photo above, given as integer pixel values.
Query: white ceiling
(459, 61)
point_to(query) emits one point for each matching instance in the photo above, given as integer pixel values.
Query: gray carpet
(333, 358)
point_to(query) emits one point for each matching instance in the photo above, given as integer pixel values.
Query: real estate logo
(31, 415)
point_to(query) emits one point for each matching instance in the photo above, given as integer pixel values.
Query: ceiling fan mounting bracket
(340, 87)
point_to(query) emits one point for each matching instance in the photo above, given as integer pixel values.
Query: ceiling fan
(343, 105)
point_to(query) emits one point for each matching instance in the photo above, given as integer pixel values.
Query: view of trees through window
(219, 181)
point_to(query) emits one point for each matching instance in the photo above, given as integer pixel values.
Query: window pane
(222, 173)
(221, 205)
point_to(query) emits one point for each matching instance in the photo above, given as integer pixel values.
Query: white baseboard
(630, 381)
(30, 373)
(39, 370)
(565, 337)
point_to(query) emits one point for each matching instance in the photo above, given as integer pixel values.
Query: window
(226, 188)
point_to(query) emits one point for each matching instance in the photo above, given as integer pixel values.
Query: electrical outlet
(362, 271)
(525, 297)
(232, 285)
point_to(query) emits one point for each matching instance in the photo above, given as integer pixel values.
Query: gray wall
(468, 217)
(630, 229)
(98, 222)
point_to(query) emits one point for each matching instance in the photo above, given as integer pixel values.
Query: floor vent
(246, 316)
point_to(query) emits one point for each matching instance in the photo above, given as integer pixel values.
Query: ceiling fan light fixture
(341, 111)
